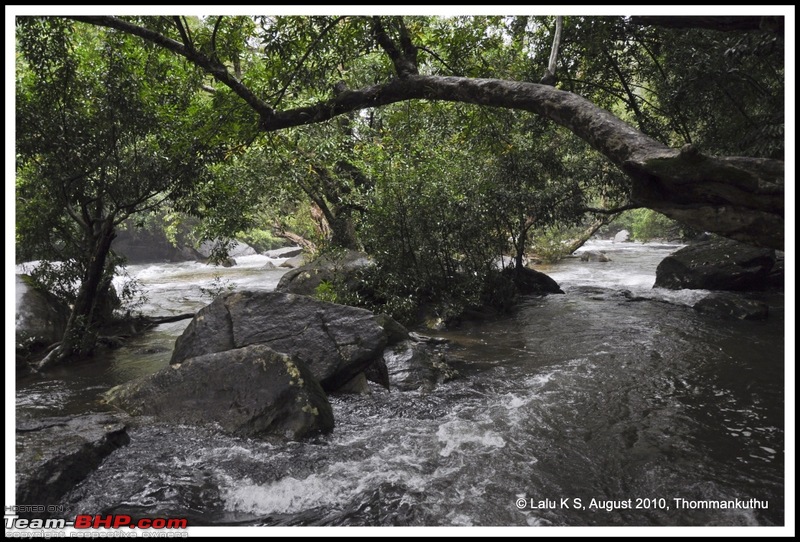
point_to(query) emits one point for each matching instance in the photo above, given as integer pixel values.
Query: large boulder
(40, 318)
(140, 246)
(532, 282)
(336, 342)
(732, 306)
(339, 268)
(716, 265)
(250, 391)
(55, 454)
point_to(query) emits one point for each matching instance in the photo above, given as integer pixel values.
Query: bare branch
(549, 77)
(614, 211)
(184, 36)
(214, 37)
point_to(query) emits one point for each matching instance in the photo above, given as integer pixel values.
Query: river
(584, 409)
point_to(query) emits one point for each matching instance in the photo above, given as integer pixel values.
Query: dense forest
(434, 144)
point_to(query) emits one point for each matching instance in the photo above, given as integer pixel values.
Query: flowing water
(618, 407)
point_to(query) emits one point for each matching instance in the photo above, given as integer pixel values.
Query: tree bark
(80, 335)
(549, 77)
(736, 197)
(579, 241)
(732, 23)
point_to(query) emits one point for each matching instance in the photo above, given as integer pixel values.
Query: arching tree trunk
(737, 197)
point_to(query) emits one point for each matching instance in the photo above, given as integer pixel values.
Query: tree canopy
(437, 143)
(740, 197)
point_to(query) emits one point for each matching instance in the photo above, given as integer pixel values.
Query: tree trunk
(579, 241)
(80, 335)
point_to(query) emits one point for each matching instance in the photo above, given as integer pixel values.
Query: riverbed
(583, 409)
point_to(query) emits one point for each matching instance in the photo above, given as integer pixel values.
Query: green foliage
(260, 240)
(326, 291)
(646, 225)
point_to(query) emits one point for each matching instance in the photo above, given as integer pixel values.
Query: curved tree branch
(738, 197)
(723, 23)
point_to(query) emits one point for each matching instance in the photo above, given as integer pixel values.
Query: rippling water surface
(584, 396)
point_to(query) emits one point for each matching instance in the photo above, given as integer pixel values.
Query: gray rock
(716, 265)
(236, 249)
(358, 385)
(285, 252)
(55, 454)
(622, 236)
(338, 268)
(239, 249)
(294, 262)
(40, 317)
(143, 246)
(415, 365)
(250, 391)
(336, 342)
(732, 306)
(594, 256)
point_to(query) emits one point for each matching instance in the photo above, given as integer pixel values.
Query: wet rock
(335, 268)
(358, 385)
(716, 265)
(336, 342)
(294, 262)
(40, 317)
(285, 252)
(594, 256)
(732, 306)
(249, 391)
(776, 278)
(55, 454)
(532, 282)
(416, 365)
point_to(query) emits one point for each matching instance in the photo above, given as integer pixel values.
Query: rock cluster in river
(260, 363)
(55, 454)
(245, 391)
(717, 265)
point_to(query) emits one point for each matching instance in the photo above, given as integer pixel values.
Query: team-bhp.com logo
(87, 521)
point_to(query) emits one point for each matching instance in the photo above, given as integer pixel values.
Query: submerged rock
(732, 306)
(413, 365)
(594, 256)
(716, 265)
(55, 454)
(336, 342)
(249, 391)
